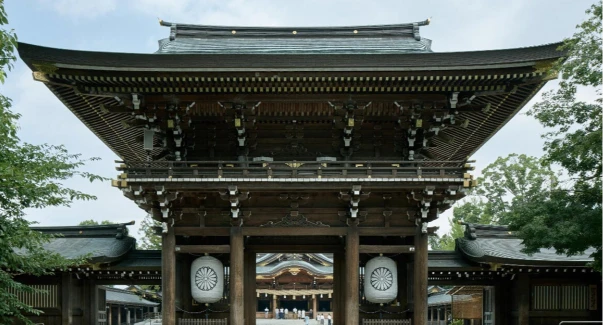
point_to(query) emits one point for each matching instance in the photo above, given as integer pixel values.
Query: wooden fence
(102, 317)
(192, 321)
(386, 321)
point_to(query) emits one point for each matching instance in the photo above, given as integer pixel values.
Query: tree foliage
(91, 222)
(569, 220)
(446, 242)
(30, 177)
(506, 184)
(150, 240)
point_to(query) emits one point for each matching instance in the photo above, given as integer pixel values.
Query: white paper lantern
(381, 280)
(207, 279)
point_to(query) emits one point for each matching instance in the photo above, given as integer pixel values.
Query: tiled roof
(123, 297)
(497, 244)
(103, 244)
(200, 39)
(32, 54)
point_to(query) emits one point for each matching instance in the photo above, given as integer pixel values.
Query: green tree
(507, 183)
(91, 222)
(150, 240)
(30, 177)
(446, 242)
(570, 219)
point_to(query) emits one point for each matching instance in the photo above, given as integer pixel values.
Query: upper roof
(200, 39)
(103, 243)
(496, 244)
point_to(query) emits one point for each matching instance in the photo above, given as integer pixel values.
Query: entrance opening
(291, 286)
(470, 305)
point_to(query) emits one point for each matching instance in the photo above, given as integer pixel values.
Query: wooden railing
(192, 321)
(102, 317)
(436, 322)
(294, 169)
(386, 321)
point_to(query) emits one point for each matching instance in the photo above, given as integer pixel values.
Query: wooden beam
(352, 260)
(294, 248)
(386, 249)
(237, 310)
(294, 231)
(202, 249)
(386, 231)
(203, 231)
(420, 278)
(168, 277)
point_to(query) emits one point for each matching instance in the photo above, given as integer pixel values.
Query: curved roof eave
(112, 61)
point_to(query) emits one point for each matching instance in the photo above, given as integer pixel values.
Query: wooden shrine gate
(347, 244)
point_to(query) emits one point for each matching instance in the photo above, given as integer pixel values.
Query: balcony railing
(295, 169)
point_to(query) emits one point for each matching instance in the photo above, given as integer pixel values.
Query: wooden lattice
(192, 321)
(386, 321)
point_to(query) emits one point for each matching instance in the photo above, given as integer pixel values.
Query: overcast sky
(132, 26)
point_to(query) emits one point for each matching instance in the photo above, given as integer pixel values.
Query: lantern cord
(372, 255)
(384, 311)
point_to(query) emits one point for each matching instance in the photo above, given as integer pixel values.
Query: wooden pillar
(402, 283)
(314, 306)
(168, 276)
(92, 302)
(523, 290)
(110, 315)
(420, 278)
(249, 288)
(118, 314)
(339, 286)
(274, 306)
(66, 315)
(236, 277)
(352, 257)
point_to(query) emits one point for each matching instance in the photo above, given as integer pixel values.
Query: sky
(132, 26)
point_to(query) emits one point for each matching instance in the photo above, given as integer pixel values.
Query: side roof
(127, 298)
(497, 244)
(103, 243)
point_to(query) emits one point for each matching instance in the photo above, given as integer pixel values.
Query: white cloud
(81, 9)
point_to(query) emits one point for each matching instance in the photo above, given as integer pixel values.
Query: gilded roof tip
(160, 20)
(428, 20)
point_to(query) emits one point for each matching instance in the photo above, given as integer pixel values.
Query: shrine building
(337, 144)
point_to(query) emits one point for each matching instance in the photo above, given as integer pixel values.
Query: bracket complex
(234, 196)
(354, 197)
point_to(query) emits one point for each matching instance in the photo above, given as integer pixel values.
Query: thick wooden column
(339, 286)
(237, 310)
(66, 308)
(249, 288)
(523, 292)
(315, 305)
(420, 278)
(274, 306)
(352, 257)
(168, 276)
